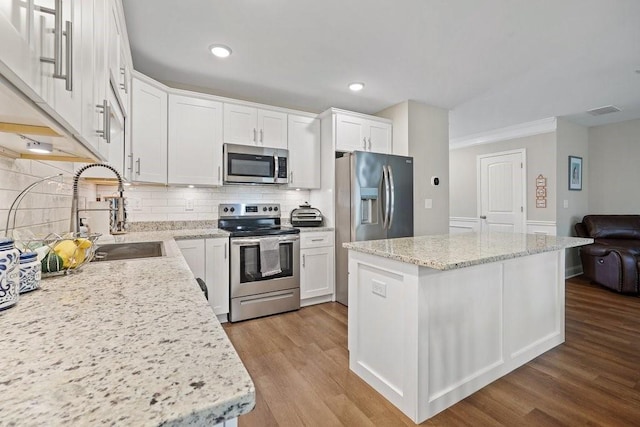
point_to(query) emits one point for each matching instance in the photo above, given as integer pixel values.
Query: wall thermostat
(435, 180)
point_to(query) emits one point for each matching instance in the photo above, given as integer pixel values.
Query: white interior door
(502, 192)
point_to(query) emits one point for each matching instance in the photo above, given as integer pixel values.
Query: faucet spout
(118, 217)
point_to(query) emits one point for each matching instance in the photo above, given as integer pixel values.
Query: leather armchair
(613, 259)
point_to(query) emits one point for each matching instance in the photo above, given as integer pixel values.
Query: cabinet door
(217, 272)
(240, 124)
(316, 272)
(350, 133)
(149, 133)
(193, 252)
(195, 141)
(304, 152)
(379, 138)
(272, 129)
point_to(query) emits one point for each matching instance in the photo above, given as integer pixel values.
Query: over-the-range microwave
(244, 164)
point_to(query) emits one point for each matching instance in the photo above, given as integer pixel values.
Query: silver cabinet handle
(130, 156)
(483, 217)
(317, 240)
(364, 143)
(369, 143)
(225, 250)
(290, 177)
(218, 174)
(138, 166)
(304, 260)
(58, 33)
(252, 242)
(124, 86)
(261, 136)
(105, 133)
(255, 135)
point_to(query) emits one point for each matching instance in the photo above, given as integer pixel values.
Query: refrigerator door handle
(392, 197)
(385, 213)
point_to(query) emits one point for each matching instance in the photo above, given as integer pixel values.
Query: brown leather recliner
(614, 257)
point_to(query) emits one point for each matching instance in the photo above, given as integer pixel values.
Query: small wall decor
(575, 173)
(541, 192)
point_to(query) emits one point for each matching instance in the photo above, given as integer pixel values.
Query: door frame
(479, 157)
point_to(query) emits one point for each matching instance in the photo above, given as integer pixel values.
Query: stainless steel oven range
(264, 273)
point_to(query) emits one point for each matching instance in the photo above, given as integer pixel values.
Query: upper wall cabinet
(362, 134)
(195, 141)
(304, 152)
(253, 126)
(149, 132)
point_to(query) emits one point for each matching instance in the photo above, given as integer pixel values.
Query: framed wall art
(575, 173)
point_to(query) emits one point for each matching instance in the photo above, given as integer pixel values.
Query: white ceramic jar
(30, 272)
(9, 274)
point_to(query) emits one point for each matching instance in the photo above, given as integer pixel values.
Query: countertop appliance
(374, 200)
(306, 216)
(245, 164)
(251, 227)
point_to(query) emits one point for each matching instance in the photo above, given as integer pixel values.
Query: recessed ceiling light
(356, 86)
(221, 51)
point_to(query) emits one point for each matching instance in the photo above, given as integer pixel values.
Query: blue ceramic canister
(9, 274)
(30, 272)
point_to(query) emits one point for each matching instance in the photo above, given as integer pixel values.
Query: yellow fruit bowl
(62, 254)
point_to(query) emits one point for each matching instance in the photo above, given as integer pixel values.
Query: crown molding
(535, 127)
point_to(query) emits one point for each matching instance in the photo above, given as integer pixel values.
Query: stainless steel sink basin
(132, 250)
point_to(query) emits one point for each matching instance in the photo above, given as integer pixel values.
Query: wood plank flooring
(299, 364)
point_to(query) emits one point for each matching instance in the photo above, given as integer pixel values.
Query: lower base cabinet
(208, 259)
(316, 267)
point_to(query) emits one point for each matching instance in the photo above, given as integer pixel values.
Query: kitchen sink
(132, 250)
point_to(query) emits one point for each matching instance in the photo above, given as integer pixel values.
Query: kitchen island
(130, 342)
(433, 319)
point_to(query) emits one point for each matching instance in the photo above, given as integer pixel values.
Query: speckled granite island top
(121, 343)
(451, 251)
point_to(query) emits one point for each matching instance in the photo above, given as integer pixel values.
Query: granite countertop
(121, 343)
(451, 251)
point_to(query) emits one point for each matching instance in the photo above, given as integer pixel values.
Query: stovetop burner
(260, 219)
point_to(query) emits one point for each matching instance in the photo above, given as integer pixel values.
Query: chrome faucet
(118, 214)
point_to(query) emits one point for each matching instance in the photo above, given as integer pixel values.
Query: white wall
(159, 203)
(572, 140)
(423, 131)
(541, 152)
(47, 207)
(613, 171)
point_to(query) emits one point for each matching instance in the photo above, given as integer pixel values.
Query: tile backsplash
(47, 207)
(159, 203)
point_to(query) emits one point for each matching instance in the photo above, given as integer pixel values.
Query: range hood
(22, 120)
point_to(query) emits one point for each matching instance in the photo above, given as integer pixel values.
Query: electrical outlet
(379, 288)
(565, 204)
(189, 205)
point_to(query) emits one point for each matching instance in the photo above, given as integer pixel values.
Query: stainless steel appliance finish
(306, 216)
(253, 295)
(374, 200)
(245, 164)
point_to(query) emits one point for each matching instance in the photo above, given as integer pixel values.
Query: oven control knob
(264, 209)
(226, 209)
(233, 209)
(275, 208)
(270, 208)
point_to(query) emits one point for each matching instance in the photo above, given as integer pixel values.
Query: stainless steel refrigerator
(374, 200)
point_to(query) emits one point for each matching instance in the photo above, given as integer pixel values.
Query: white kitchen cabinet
(195, 141)
(149, 132)
(316, 266)
(217, 274)
(194, 253)
(208, 259)
(253, 126)
(304, 151)
(362, 134)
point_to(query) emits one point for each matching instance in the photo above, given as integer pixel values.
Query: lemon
(71, 254)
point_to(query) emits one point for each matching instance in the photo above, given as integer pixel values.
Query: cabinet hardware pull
(317, 240)
(483, 217)
(68, 78)
(225, 250)
(123, 85)
(105, 133)
(304, 259)
(369, 143)
(261, 136)
(58, 33)
(364, 143)
(255, 135)
(130, 162)
(138, 166)
(290, 177)
(218, 174)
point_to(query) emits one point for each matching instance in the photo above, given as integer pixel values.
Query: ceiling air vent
(603, 110)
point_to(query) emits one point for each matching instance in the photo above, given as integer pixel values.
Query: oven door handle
(248, 242)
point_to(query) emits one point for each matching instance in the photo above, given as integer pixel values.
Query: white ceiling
(493, 63)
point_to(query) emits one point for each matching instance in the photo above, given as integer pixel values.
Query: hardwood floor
(299, 364)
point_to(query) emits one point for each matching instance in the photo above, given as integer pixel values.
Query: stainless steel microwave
(245, 164)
